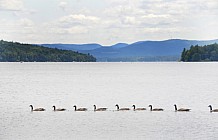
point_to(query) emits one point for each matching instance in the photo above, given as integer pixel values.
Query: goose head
(150, 107)
(175, 107)
(210, 106)
(94, 107)
(74, 107)
(133, 107)
(54, 107)
(117, 106)
(31, 107)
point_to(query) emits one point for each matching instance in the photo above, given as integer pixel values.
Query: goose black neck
(175, 107)
(74, 108)
(31, 107)
(117, 107)
(150, 107)
(54, 108)
(94, 107)
(210, 107)
(133, 107)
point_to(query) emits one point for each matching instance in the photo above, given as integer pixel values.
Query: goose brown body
(37, 109)
(79, 109)
(121, 109)
(59, 109)
(212, 110)
(155, 109)
(181, 109)
(137, 109)
(99, 109)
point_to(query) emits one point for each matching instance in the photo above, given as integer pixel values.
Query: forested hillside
(15, 52)
(200, 53)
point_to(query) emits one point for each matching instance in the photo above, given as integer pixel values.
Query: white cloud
(26, 22)
(16, 25)
(11, 5)
(63, 5)
(77, 30)
(79, 18)
(112, 21)
(129, 20)
(150, 16)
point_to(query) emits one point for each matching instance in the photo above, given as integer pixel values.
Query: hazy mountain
(119, 45)
(167, 50)
(74, 47)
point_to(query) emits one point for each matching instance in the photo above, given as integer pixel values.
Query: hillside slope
(15, 52)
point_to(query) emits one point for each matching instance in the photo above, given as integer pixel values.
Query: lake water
(189, 85)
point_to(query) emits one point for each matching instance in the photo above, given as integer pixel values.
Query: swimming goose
(181, 109)
(59, 109)
(212, 110)
(99, 109)
(155, 109)
(37, 109)
(121, 109)
(135, 109)
(79, 109)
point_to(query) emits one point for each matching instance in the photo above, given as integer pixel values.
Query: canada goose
(135, 109)
(99, 109)
(155, 109)
(79, 109)
(121, 109)
(37, 109)
(59, 109)
(212, 110)
(181, 109)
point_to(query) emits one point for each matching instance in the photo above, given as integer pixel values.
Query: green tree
(200, 53)
(12, 52)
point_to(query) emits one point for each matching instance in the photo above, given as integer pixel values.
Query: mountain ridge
(137, 51)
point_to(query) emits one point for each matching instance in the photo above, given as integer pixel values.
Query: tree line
(200, 53)
(140, 59)
(16, 52)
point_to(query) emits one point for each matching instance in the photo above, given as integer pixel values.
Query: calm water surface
(190, 85)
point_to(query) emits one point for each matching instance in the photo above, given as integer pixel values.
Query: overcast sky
(107, 21)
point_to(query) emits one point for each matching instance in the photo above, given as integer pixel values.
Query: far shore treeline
(200, 53)
(16, 52)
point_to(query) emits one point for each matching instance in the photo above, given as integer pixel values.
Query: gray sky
(107, 21)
